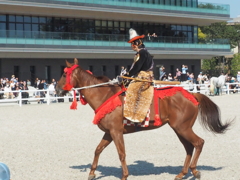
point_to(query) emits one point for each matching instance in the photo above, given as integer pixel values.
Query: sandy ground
(52, 142)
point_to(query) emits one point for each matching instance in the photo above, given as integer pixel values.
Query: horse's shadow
(141, 168)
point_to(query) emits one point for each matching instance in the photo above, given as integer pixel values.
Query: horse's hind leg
(106, 140)
(190, 140)
(189, 150)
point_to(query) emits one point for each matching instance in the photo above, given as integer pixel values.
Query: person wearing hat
(139, 93)
(4, 172)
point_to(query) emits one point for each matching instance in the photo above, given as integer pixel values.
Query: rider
(139, 94)
(143, 61)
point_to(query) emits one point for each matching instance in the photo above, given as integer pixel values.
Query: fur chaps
(138, 98)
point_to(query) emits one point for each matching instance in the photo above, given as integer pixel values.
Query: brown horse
(176, 110)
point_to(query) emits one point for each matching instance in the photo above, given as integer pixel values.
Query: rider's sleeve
(138, 64)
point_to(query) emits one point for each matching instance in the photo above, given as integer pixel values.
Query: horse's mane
(90, 77)
(102, 78)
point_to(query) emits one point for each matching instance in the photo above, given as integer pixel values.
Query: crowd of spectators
(186, 76)
(7, 85)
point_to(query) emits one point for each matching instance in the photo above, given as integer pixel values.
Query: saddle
(138, 98)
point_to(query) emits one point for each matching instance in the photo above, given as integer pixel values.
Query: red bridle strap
(69, 71)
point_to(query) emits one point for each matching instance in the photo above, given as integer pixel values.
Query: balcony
(26, 38)
(194, 7)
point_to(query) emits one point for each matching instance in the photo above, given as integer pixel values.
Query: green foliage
(235, 64)
(201, 35)
(210, 6)
(214, 66)
(223, 31)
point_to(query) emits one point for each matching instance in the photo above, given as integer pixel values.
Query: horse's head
(66, 82)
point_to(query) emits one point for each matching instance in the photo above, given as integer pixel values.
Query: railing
(93, 39)
(184, 5)
(195, 88)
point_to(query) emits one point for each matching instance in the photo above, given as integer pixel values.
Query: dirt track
(51, 142)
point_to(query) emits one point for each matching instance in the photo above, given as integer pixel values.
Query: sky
(234, 6)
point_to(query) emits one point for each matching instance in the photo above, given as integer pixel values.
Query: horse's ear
(75, 61)
(68, 64)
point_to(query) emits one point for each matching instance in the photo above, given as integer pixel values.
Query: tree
(235, 64)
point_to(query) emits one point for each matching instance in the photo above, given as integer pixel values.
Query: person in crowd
(238, 76)
(184, 73)
(7, 90)
(200, 78)
(1, 89)
(178, 75)
(123, 71)
(36, 83)
(233, 86)
(149, 37)
(161, 72)
(170, 78)
(54, 82)
(28, 82)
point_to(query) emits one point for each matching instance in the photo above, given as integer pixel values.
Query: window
(32, 74)
(117, 70)
(2, 18)
(104, 69)
(48, 73)
(90, 68)
(16, 71)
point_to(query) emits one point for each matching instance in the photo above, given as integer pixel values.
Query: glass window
(11, 26)
(12, 18)
(110, 24)
(19, 27)
(189, 28)
(27, 27)
(162, 2)
(173, 2)
(184, 28)
(42, 20)
(3, 29)
(116, 24)
(173, 27)
(97, 23)
(35, 27)
(184, 3)
(122, 24)
(104, 23)
(3, 18)
(27, 19)
(34, 19)
(2, 26)
(128, 25)
(179, 27)
(19, 18)
(19, 31)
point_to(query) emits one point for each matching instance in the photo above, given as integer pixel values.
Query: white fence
(49, 98)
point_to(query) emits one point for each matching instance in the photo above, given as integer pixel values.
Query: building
(36, 36)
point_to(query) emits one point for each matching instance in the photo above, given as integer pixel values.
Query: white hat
(134, 36)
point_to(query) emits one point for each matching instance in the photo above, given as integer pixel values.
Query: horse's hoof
(197, 175)
(90, 177)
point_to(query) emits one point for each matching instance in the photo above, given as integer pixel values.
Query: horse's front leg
(106, 140)
(119, 143)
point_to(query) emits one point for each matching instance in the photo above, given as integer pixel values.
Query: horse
(217, 83)
(177, 111)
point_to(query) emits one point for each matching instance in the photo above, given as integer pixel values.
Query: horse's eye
(64, 75)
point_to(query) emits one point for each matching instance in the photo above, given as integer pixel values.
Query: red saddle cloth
(113, 102)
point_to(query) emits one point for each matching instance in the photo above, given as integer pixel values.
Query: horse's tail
(211, 86)
(210, 115)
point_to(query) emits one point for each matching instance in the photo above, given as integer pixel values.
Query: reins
(96, 85)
